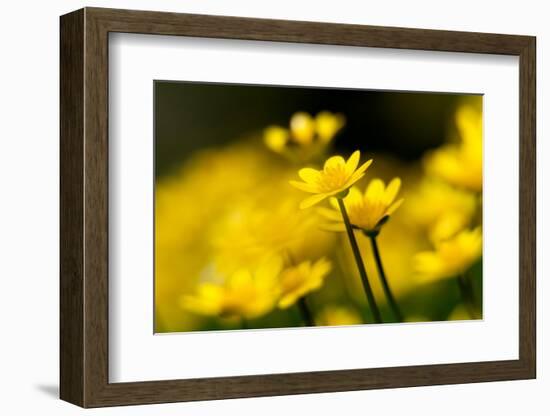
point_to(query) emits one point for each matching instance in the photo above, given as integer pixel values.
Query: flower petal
(352, 162)
(321, 267)
(354, 196)
(392, 189)
(333, 162)
(309, 175)
(312, 200)
(275, 138)
(287, 300)
(334, 203)
(302, 127)
(375, 190)
(354, 178)
(306, 187)
(394, 206)
(327, 125)
(363, 167)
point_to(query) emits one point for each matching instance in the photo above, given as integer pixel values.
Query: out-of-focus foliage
(234, 249)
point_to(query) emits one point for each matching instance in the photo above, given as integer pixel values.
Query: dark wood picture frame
(84, 207)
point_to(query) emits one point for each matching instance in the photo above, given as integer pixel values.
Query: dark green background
(191, 116)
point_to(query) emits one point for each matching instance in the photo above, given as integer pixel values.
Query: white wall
(29, 207)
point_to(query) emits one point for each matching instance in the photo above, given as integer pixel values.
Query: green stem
(305, 312)
(384, 280)
(359, 262)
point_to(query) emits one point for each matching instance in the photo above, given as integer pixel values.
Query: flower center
(333, 178)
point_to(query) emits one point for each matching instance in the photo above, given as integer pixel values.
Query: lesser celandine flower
(338, 315)
(336, 177)
(301, 279)
(451, 257)
(245, 294)
(367, 210)
(306, 136)
(460, 164)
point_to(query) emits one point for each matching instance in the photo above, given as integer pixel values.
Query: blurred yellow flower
(447, 225)
(297, 281)
(366, 211)
(338, 315)
(328, 124)
(245, 294)
(461, 164)
(440, 209)
(306, 136)
(336, 177)
(450, 258)
(252, 232)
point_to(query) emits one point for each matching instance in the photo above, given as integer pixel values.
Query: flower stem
(305, 312)
(359, 262)
(384, 280)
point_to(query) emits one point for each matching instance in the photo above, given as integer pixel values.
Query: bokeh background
(212, 166)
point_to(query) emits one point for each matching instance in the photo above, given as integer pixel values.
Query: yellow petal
(427, 262)
(392, 189)
(334, 203)
(275, 138)
(334, 161)
(362, 168)
(287, 301)
(312, 200)
(354, 178)
(322, 267)
(302, 127)
(306, 187)
(309, 175)
(394, 206)
(354, 196)
(240, 278)
(328, 124)
(375, 190)
(352, 162)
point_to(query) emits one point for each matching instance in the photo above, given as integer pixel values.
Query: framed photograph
(260, 207)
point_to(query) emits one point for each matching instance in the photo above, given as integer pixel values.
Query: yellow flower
(461, 164)
(338, 315)
(451, 257)
(302, 128)
(244, 294)
(299, 280)
(254, 231)
(306, 136)
(336, 177)
(366, 211)
(447, 225)
(440, 209)
(328, 124)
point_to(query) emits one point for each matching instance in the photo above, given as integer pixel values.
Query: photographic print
(280, 206)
